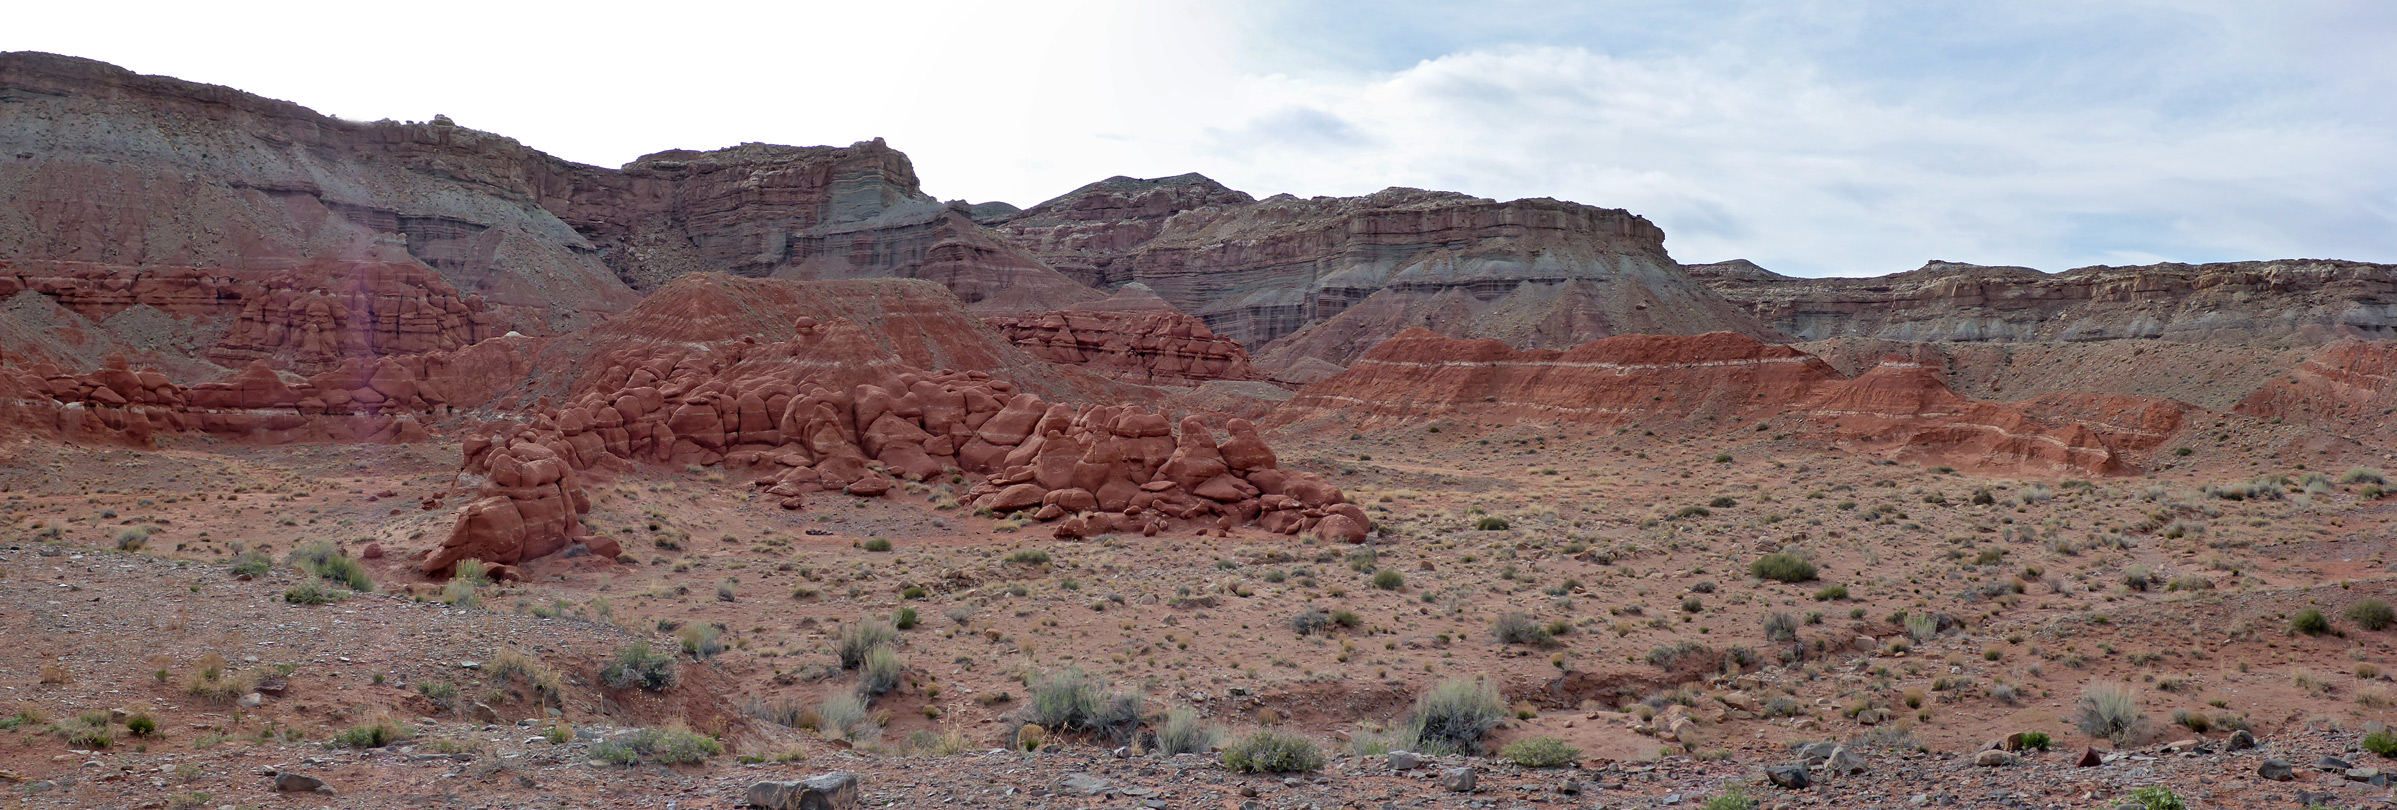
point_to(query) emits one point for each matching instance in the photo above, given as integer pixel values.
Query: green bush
(1832, 593)
(327, 562)
(2372, 614)
(638, 665)
(667, 747)
(860, 638)
(2310, 622)
(701, 641)
(1183, 733)
(1072, 701)
(904, 618)
(1733, 799)
(141, 725)
(1389, 579)
(2157, 798)
(252, 564)
(1782, 567)
(877, 544)
(2382, 742)
(2038, 740)
(133, 539)
(380, 733)
(1455, 715)
(2363, 475)
(309, 593)
(1780, 627)
(1541, 752)
(1492, 523)
(1030, 556)
(845, 715)
(1273, 752)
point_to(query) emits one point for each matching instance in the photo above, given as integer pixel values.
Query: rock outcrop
(1132, 336)
(1326, 279)
(1899, 408)
(2295, 302)
(2349, 386)
(839, 406)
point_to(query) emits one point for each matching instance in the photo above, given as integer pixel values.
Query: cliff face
(1327, 278)
(2296, 302)
(110, 168)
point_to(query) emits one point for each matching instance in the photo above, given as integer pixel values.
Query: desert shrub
(2372, 614)
(2194, 721)
(2109, 710)
(1541, 752)
(1310, 622)
(880, 673)
(2310, 622)
(85, 731)
(876, 544)
(1389, 579)
(860, 638)
(1273, 752)
(846, 716)
(1347, 618)
(904, 618)
(1922, 627)
(466, 581)
(508, 664)
(2382, 742)
(1184, 733)
(133, 539)
(376, 734)
(252, 564)
(327, 562)
(1668, 656)
(668, 747)
(1030, 556)
(1692, 512)
(2138, 578)
(1492, 523)
(1070, 700)
(1517, 628)
(2156, 797)
(141, 725)
(1782, 567)
(1723, 502)
(2037, 740)
(211, 681)
(2189, 582)
(1733, 799)
(1455, 715)
(637, 664)
(1781, 627)
(701, 641)
(1831, 594)
(309, 593)
(2363, 475)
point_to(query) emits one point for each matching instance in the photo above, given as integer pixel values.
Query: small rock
(1791, 777)
(1843, 762)
(251, 701)
(1993, 758)
(831, 791)
(2276, 770)
(2333, 764)
(1816, 753)
(2090, 758)
(2240, 740)
(1251, 805)
(1405, 760)
(2362, 774)
(288, 782)
(1458, 780)
(1087, 784)
(1569, 787)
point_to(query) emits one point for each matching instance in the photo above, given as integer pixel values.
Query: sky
(1832, 138)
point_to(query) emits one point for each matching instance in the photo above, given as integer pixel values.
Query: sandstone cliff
(1325, 279)
(2295, 302)
(1132, 336)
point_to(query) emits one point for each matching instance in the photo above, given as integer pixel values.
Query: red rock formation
(2349, 386)
(1899, 408)
(1327, 278)
(2275, 303)
(1133, 336)
(833, 410)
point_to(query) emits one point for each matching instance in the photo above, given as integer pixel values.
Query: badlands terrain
(402, 465)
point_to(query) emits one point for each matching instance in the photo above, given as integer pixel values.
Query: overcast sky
(1815, 138)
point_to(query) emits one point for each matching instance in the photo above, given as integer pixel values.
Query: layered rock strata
(1899, 408)
(1133, 336)
(1325, 279)
(2294, 302)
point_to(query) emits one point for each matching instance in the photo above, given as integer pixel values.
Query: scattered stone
(2240, 740)
(1405, 760)
(1816, 753)
(832, 791)
(2090, 758)
(1791, 777)
(251, 701)
(1843, 762)
(2362, 774)
(2333, 764)
(1993, 758)
(2276, 770)
(288, 782)
(1458, 780)
(1087, 784)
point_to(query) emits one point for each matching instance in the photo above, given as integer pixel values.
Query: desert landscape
(401, 464)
